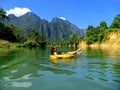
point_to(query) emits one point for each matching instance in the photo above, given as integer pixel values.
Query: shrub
(30, 43)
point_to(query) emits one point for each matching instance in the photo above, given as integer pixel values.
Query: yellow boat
(62, 56)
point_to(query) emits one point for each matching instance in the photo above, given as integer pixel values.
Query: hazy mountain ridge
(56, 29)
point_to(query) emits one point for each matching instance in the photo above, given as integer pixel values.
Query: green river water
(32, 69)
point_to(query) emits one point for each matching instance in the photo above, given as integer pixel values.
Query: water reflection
(56, 70)
(96, 53)
(103, 65)
(22, 62)
(20, 66)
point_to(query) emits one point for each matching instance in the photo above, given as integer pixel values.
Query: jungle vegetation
(93, 34)
(100, 33)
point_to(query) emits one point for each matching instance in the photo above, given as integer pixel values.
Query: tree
(6, 33)
(2, 14)
(89, 34)
(16, 32)
(96, 34)
(116, 22)
(36, 36)
(10, 32)
(103, 25)
(74, 39)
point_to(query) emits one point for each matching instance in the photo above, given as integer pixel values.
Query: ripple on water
(3, 66)
(19, 84)
(14, 71)
(25, 77)
(103, 79)
(88, 77)
(118, 81)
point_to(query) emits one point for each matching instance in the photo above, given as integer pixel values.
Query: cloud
(17, 11)
(62, 18)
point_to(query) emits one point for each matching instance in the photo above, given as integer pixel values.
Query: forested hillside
(32, 31)
(57, 29)
(103, 34)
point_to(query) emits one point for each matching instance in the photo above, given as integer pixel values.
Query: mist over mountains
(56, 29)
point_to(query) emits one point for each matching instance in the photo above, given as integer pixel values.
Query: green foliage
(6, 33)
(100, 33)
(116, 22)
(2, 14)
(57, 30)
(103, 25)
(74, 39)
(30, 43)
(89, 34)
(5, 44)
(9, 32)
(36, 36)
(114, 29)
(96, 34)
(16, 32)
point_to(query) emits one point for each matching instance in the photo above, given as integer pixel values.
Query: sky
(82, 13)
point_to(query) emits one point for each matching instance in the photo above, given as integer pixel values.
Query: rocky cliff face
(57, 29)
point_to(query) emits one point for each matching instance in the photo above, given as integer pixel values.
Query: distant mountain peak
(17, 11)
(62, 18)
(30, 15)
(11, 15)
(57, 29)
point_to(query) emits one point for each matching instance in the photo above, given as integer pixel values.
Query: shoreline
(112, 42)
(102, 45)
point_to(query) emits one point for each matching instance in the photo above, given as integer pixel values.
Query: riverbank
(113, 42)
(28, 44)
(5, 44)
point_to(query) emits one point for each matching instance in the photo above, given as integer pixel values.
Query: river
(32, 69)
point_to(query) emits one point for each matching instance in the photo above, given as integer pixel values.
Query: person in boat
(54, 51)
